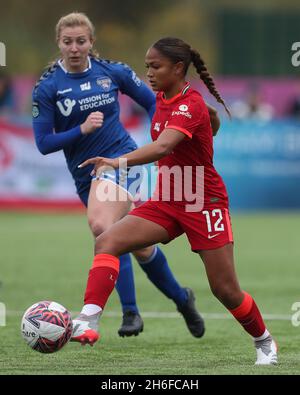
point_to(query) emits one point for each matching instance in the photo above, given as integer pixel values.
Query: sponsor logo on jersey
(64, 91)
(96, 101)
(104, 83)
(67, 106)
(157, 127)
(86, 86)
(136, 79)
(35, 110)
(184, 113)
(183, 107)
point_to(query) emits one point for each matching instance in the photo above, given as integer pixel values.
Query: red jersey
(191, 161)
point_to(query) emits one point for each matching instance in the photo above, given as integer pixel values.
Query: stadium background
(44, 241)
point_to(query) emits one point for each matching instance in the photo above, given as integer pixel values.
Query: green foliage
(27, 28)
(125, 29)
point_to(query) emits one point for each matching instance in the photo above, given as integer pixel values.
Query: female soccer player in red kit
(182, 139)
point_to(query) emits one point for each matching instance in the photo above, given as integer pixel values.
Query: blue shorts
(129, 179)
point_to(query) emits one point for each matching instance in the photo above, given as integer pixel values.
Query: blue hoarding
(260, 163)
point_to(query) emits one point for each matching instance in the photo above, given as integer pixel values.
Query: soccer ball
(46, 326)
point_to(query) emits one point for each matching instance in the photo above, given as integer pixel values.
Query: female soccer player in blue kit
(76, 109)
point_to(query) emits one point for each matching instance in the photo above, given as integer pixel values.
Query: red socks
(102, 278)
(104, 274)
(249, 316)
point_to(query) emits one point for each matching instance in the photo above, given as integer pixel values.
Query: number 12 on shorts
(218, 225)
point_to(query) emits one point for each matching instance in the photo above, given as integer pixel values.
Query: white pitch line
(160, 314)
(209, 316)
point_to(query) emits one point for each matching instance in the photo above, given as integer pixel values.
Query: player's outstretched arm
(163, 146)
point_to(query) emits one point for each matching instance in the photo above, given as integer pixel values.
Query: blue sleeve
(134, 87)
(43, 110)
(48, 142)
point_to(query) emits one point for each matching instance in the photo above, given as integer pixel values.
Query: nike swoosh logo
(212, 236)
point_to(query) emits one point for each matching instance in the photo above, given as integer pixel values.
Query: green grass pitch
(47, 257)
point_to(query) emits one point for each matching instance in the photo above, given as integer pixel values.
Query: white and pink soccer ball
(46, 326)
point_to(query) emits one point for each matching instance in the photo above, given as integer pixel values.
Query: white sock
(91, 309)
(262, 337)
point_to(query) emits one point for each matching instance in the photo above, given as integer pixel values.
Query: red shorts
(207, 229)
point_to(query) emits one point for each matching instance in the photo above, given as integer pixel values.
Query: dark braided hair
(178, 51)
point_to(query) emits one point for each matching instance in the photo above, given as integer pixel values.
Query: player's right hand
(101, 164)
(93, 122)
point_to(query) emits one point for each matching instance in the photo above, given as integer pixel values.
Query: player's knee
(98, 226)
(144, 253)
(226, 294)
(105, 244)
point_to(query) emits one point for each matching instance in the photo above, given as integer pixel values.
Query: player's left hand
(101, 164)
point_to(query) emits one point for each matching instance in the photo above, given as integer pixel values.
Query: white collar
(60, 63)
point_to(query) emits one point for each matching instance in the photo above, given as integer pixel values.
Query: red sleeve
(185, 131)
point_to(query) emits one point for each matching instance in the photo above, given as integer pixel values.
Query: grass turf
(47, 257)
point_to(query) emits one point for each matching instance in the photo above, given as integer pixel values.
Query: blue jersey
(62, 101)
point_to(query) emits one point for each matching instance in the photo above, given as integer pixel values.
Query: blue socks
(159, 273)
(125, 285)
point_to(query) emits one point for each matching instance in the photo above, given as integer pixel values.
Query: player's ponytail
(206, 77)
(178, 51)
